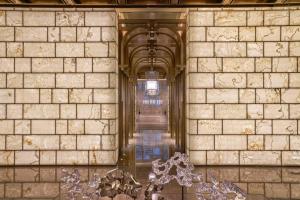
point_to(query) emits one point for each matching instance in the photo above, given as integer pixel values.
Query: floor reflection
(259, 182)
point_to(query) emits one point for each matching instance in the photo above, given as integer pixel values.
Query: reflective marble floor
(259, 182)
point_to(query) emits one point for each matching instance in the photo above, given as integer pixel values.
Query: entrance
(151, 84)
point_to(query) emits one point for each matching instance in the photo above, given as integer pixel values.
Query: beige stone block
(70, 80)
(201, 111)
(7, 34)
(27, 96)
(88, 111)
(263, 65)
(295, 188)
(255, 18)
(268, 33)
(43, 126)
(26, 157)
(108, 111)
(276, 142)
(61, 127)
(69, 49)
(88, 142)
(108, 142)
(201, 142)
(2, 142)
(230, 18)
(238, 65)
(256, 188)
(108, 34)
(99, 49)
(294, 111)
(295, 142)
(39, 18)
(2, 80)
(285, 64)
(290, 95)
(14, 49)
(291, 158)
(84, 65)
(245, 127)
(192, 64)
(276, 17)
(41, 142)
(14, 111)
(69, 64)
(209, 65)
(230, 80)
(104, 65)
(222, 158)
(268, 96)
(276, 80)
(294, 17)
(76, 127)
(255, 142)
(197, 157)
(107, 19)
(47, 157)
(68, 34)
(294, 80)
(197, 96)
(31, 34)
(6, 96)
(41, 111)
(255, 111)
(14, 142)
(276, 111)
(60, 95)
(201, 18)
(14, 18)
(191, 126)
(67, 142)
(2, 17)
(255, 80)
(6, 65)
(105, 96)
(13, 190)
(2, 49)
(197, 34)
(39, 80)
(53, 34)
(222, 96)
(276, 49)
(14, 80)
(246, 95)
(113, 80)
(255, 49)
(209, 127)
(96, 80)
(103, 158)
(47, 65)
(6, 158)
(230, 111)
(69, 18)
(230, 49)
(277, 190)
(41, 190)
(294, 48)
(246, 33)
(260, 157)
(81, 96)
(45, 95)
(201, 49)
(285, 127)
(22, 65)
(22, 126)
(2, 111)
(96, 126)
(290, 33)
(201, 80)
(72, 157)
(88, 34)
(230, 142)
(222, 34)
(112, 50)
(39, 50)
(263, 127)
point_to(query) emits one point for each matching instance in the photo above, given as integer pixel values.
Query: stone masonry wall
(244, 86)
(58, 91)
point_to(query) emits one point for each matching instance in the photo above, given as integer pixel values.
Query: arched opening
(151, 84)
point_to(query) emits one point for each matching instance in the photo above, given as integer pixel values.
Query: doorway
(151, 84)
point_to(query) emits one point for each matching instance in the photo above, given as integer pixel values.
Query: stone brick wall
(58, 91)
(244, 86)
